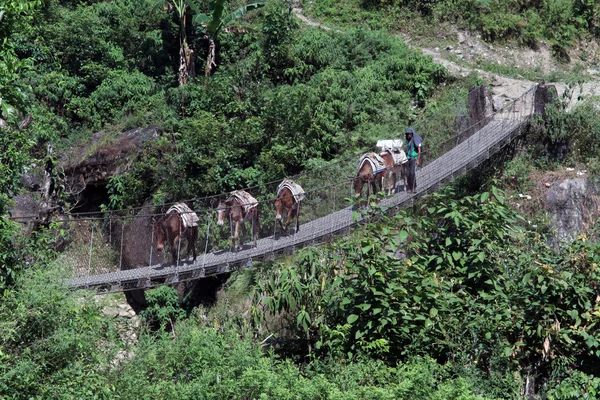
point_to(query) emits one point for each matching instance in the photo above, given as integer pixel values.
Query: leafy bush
(559, 22)
(576, 385)
(163, 308)
(216, 364)
(567, 135)
(54, 343)
(454, 284)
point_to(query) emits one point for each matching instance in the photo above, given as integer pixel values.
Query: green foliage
(89, 42)
(216, 364)
(119, 94)
(9, 254)
(54, 343)
(15, 16)
(163, 308)
(278, 29)
(463, 282)
(559, 22)
(576, 385)
(568, 135)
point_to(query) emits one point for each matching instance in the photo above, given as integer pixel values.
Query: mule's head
(278, 203)
(285, 199)
(357, 184)
(222, 211)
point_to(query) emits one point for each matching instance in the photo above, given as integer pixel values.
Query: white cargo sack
(389, 144)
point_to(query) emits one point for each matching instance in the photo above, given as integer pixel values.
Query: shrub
(163, 309)
(54, 343)
(454, 284)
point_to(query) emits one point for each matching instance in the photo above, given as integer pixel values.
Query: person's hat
(410, 130)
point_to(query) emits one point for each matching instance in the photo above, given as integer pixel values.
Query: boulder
(571, 206)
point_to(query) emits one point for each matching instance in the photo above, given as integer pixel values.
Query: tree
(14, 144)
(214, 22)
(13, 17)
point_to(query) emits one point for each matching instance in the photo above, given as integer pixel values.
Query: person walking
(413, 153)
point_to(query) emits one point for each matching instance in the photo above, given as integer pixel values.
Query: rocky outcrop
(104, 155)
(572, 205)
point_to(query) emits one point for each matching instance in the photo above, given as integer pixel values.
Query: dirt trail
(504, 89)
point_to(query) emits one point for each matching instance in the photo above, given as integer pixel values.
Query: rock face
(102, 157)
(571, 205)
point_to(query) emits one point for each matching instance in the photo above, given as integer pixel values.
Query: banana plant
(214, 22)
(186, 55)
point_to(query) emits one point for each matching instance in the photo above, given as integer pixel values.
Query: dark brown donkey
(239, 207)
(289, 197)
(170, 228)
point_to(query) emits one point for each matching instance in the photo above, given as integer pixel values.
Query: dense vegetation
(459, 297)
(280, 100)
(560, 23)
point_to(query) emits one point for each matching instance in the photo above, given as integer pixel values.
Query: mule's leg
(289, 216)
(193, 238)
(175, 249)
(374, 185)
(242, 235)
(283, 228)
(390, 176)
(297, 216)
(236, 235)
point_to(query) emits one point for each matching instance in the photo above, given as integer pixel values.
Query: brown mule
(394, 172)
(170, 228)
(375, 178)
(289, 197)
(239, 212)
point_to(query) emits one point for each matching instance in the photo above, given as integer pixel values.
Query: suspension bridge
(324, 214)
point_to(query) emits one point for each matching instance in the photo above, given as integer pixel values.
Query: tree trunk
(187, 67)
(210, 59)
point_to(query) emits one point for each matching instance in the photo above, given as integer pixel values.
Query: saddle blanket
(296, 189)
(377, 163)
(189, 217)
(398, 156)
(248, 202)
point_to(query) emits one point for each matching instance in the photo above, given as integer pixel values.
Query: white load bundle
(389, 144)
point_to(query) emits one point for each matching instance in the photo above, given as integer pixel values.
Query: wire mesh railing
(118, 250)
